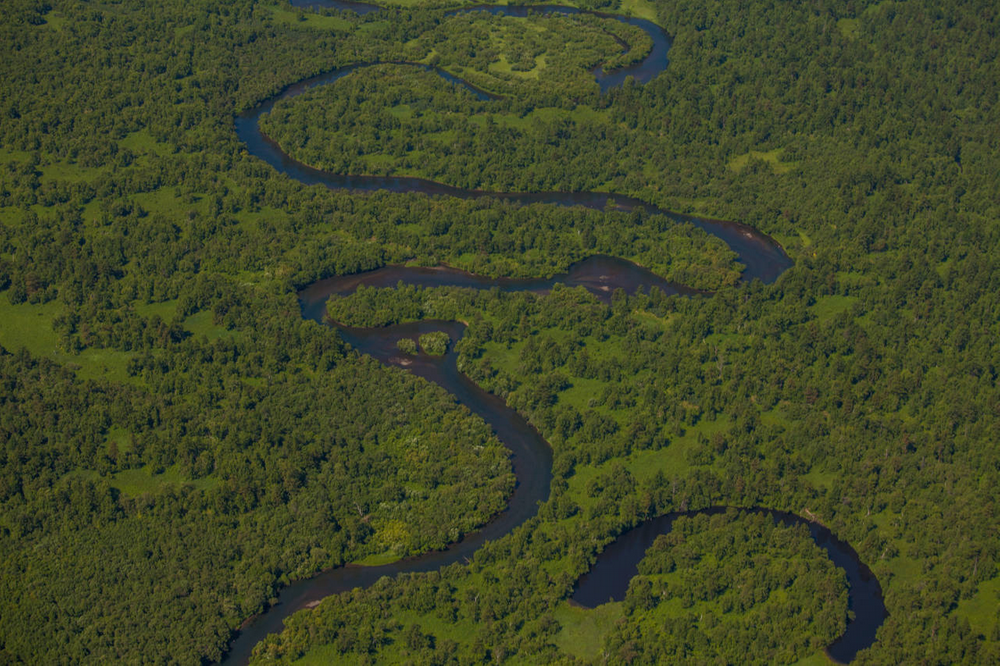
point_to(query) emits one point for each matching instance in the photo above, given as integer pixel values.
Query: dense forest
(177, 442)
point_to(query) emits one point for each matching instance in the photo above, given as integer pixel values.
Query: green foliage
(148, 268)
(731, 588)
(582, 631)
(406, 345)
(435, 343)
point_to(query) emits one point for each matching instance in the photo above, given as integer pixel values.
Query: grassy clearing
(420, 3)
(583, 630)
(795, 244)
(981, 609)
(374, 26)
(121, 437)
(581, 392)
(579, 114)
(135, 482)
(142, 142)
(900, 570)
(395, 652)
(502, 66)
(379, 559)
(693, 206)
(848, 27)
(828, 307)
(672, 460)
(165, 310)
(643, 9)
(327, 655)
(54, 20)
(72, 173)
(11, 155)
(817, 659)
(306, 19)
(819, 478)
(107, 364)
(200, 323)
(29, 326)
(771, 157)
(171, 203)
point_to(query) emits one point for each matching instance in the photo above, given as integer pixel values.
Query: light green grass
(73, 173)
(402, 111)
(579, 114)
(11, 155)
(848, 27)
(394, 652)
(828, 307)
(905, 571)
(800, 242)
(502, 66)
(107, 364)
(135, 482)
(142, 142)
(165, 310)
(168, 201)
(379, 559)
(29, 326)
(981, 608)
(819, 478)
(374, 26)
(121, 437)
(583, 630)
(672, 459)
(54, 20)
(580, 393)
(661, 323)
(772, 157)
(200, 323)
(818, 659)
(419, 3)
(376, 161)
(643, 9)
(443, 137)
(307, 19)
(326, 655)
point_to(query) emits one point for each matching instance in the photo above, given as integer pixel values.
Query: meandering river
(530, 454)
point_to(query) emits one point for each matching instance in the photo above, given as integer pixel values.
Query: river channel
(531, 455)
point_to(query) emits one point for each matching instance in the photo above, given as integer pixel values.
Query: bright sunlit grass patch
(643, 9)
(771, 157)
(583, 629)
(307, 19)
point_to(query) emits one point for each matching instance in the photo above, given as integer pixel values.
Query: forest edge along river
(763, 258)
(531, 455)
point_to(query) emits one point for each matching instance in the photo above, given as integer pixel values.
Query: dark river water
(531, 455)
(609, 578)
(763, 257)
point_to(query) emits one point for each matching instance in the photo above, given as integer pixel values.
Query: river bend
(531, 455)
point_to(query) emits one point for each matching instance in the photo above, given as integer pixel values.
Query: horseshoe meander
(531, 455)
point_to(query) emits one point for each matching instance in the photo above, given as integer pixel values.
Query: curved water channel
(531, 455)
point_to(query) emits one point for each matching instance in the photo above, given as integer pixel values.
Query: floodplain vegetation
(176, 442)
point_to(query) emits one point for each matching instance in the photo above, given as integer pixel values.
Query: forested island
(491, 293)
